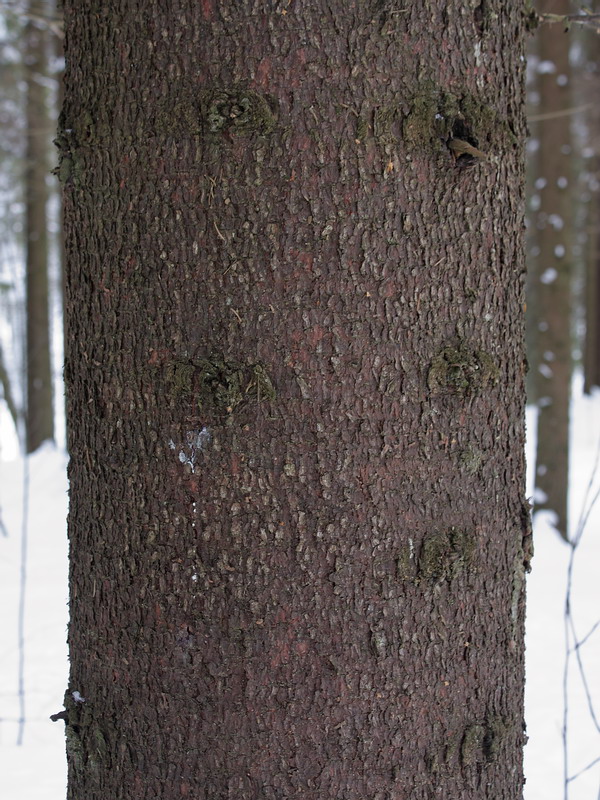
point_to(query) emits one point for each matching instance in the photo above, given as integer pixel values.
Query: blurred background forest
(562, 238)
(31, 252)
(563, 216)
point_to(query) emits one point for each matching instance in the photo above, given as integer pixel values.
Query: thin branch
(585, 508)
(585, 769)
(587, 636)
(567, 19)
(570, 633)
(566, 112)
(585, 515)
(583, 676)
(565, 692)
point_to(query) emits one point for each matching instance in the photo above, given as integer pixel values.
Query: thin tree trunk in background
(591, 361)
(552, 271)
(39, 414)
(531, 236)
(57, 43)
(295, 382)
(592, 303)
(7, 394)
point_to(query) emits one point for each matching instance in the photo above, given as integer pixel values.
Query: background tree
(7, 394)
(11, 219)
(552, 268)
(590, 68)
(295, 390)
(39, 408)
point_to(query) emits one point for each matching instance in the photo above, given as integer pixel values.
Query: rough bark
(295, 389)
(39, 414)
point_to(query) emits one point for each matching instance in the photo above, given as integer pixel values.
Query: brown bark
(295, 390)
(591, 365)
(551, 273)
(39, 416)
(531, 235)
(57, 45)
(588, 94)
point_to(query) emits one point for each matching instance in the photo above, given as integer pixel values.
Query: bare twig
(585, 769)
(565, 112)
(586, 688)
(570, 19)
(571, 635)
(588, 634)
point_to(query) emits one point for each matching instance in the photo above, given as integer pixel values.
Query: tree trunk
(39, 416)
(551, 274)
(591, 281)
(591, 364)
(7, 393)
(295, 387)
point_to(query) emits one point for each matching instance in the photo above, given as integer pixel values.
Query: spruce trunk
(295, 389)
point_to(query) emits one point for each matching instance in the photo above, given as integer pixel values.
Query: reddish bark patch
(315, 335)
(208, 9)
(263, 72)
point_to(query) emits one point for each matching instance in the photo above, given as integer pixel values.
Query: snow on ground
(36, 770)
(545, 637)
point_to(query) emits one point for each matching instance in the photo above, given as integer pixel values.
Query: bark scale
(295, 390)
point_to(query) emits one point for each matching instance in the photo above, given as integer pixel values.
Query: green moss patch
(436, 115)
(238, 111)
(406, 565)
(443, 554)
(460, 369)
(69, 166)
(430, 118)
(471, 459)
(362, 129)
(478, 743)
(482, 741)
(383, 123)
(218, 384)
(471, 748)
